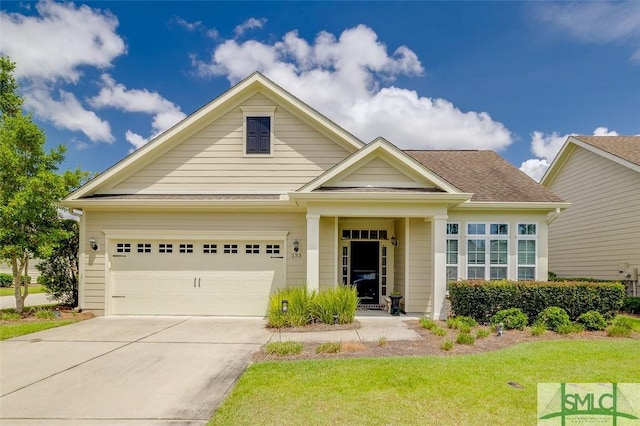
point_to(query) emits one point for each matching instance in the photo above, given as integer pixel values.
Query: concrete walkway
(32, 300)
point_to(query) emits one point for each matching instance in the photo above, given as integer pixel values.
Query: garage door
(194, 277)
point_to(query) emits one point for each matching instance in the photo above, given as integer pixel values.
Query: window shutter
(258, 135)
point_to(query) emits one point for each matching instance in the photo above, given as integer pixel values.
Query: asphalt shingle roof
(624, 147)
(485, 174)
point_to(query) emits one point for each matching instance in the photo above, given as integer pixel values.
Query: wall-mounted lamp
(285, 306)
(394, 241)
(94, 245)
(296, 246)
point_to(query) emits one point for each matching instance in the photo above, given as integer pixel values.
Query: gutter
(553, 216)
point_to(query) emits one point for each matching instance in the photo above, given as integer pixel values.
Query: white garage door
(194, 277)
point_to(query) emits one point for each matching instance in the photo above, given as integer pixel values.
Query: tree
(59, 273)
(30, 186)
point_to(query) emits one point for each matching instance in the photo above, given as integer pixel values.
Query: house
(599, 237)
(257, 191)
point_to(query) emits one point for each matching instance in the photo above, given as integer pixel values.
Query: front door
(365, 257)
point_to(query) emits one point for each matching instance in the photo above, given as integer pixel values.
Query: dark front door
(365, 257)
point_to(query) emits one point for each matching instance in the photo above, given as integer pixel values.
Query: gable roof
(255, 83)
(380, 148)
(624, 150)
(485, 174)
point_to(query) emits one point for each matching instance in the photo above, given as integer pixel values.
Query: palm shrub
(554, 318)
(511, 318)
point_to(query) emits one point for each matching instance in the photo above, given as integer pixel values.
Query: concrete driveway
(125, 370)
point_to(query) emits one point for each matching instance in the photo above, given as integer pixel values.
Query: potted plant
(395, 302)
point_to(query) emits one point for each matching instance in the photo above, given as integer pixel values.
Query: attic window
(258, 130)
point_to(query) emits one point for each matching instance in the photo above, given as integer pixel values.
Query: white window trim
(258, 111)
(457, 238)
(527, 237)
(487, 237)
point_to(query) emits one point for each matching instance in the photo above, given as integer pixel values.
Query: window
(210, 248)
(252, 248)
(144, 248)
(123, 248)
(231, 248)
(453, 249)
(527, 239)
(258, 130)
(273, 249)
(186, 248)
(165, 248)
(364, 234)
(487, 254)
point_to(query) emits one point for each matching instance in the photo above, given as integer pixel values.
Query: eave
(511, 206)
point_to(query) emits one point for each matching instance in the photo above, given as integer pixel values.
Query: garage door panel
(196, 283)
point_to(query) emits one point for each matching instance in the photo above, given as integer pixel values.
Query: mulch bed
(429, 344)
(61, 313)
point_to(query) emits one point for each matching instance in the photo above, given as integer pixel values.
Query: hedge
(483, 299)
(631, 305)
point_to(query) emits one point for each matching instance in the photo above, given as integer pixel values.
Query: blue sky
(105, 77)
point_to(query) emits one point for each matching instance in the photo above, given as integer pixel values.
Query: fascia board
(505, 205)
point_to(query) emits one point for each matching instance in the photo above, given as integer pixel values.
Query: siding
(378, 173)
(93, 276)
(213, 160)
(399, 259)
(33, 272)
(602, 227)
(420, 257)
(328, 256)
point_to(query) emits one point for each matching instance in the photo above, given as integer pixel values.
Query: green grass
(634, 322)
(430, 390)
(7, 331)
(32, 290)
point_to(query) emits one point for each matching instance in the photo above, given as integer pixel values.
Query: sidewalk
(372, 328)
(32, 300)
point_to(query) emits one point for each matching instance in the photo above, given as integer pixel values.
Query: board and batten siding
(420, 261)
(93, 272)
(213, 160)
(602, 227)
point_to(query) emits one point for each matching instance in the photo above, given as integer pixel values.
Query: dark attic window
(258, 135)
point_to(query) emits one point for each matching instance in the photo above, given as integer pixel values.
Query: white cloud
(61, 40)
(595, 22)
(547, 146)
(348, 79)
(67, 112)
(191, 26)
(116, 95)
(249, 24)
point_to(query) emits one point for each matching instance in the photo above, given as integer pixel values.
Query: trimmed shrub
(511, 318)
(631, 305)
(6, 280)
(483, 299)
(554, 318)
(592, 320)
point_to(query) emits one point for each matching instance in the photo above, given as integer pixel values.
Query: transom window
(364, 234)
(123, 248)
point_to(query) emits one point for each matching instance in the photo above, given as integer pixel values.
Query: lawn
(7, 331)
(9, 291)
(430, 390)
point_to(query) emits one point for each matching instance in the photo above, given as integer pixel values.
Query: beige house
(257, 191)
(599, 236)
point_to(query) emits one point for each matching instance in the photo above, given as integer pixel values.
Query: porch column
(439, 273)
(313, 251)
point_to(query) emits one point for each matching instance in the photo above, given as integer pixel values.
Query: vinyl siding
(399, 259)
(33, 272)
(602, 227)
(377, 173)
(93, 274)
(213, 160)
(328, 256)
(420, 258)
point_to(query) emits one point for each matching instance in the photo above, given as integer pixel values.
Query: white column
(439, 272)
(313, 252)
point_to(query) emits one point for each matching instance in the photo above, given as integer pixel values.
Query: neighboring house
(257, 191)
(599, 236)
(33, 272)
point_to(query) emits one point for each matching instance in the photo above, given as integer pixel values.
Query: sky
(518, 78)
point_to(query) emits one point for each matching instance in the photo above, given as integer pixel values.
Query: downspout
(554, 216)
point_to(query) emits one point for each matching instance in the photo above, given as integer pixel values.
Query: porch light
(93, 244)
(394, 241)
(285, 306)
(296, 246)
(500, 329)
